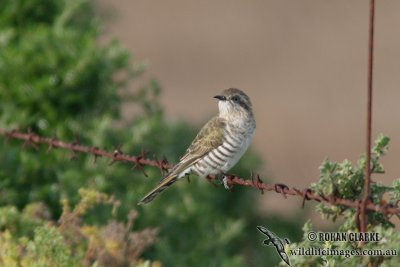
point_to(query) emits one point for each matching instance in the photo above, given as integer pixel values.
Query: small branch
(141, 160)
(367, 181)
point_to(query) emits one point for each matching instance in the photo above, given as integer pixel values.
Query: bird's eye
(235, 99)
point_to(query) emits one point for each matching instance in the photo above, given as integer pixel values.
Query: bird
(219, 144)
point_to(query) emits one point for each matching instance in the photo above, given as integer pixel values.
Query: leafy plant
(346, 181)
(71, 243)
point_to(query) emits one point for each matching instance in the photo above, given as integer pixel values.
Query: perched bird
(219, 145)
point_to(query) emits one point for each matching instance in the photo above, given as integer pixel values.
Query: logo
(274, 240)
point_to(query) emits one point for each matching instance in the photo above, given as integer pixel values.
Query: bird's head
(234, 103)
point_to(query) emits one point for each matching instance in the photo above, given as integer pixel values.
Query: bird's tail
(164, 184)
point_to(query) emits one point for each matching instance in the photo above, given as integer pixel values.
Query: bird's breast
(225, 156)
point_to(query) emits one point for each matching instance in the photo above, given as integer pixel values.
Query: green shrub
(70, 243)
(343, 180)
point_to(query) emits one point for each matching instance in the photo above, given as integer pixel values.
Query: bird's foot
(224, 180)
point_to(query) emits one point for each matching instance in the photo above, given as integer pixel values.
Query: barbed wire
(141, 160)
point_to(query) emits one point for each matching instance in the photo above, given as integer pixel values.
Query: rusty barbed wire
(140, 161)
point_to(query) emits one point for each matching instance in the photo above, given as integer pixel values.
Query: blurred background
(303, 63)
(143, 74)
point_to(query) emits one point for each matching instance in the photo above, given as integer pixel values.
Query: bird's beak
(220, 97)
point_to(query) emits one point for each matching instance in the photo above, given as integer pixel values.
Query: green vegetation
(69, 243)
(343, 180)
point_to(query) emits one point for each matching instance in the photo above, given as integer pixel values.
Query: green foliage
(71, 243)
(55, 79)
(23, 224)
(52, 70)
(48, 249)
(344, 180)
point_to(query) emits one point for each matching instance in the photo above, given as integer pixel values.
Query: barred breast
(225, 156)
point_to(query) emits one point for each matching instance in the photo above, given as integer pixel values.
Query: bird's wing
(210, 137)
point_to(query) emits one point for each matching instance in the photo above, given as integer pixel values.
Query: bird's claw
(224, 181)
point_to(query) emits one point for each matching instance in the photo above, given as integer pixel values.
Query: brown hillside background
(303, 63)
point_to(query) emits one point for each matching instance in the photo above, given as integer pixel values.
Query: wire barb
(162, 164)
(94, 150)
(51, 145)
(139, 164)
(280, 188)
(116, 155)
